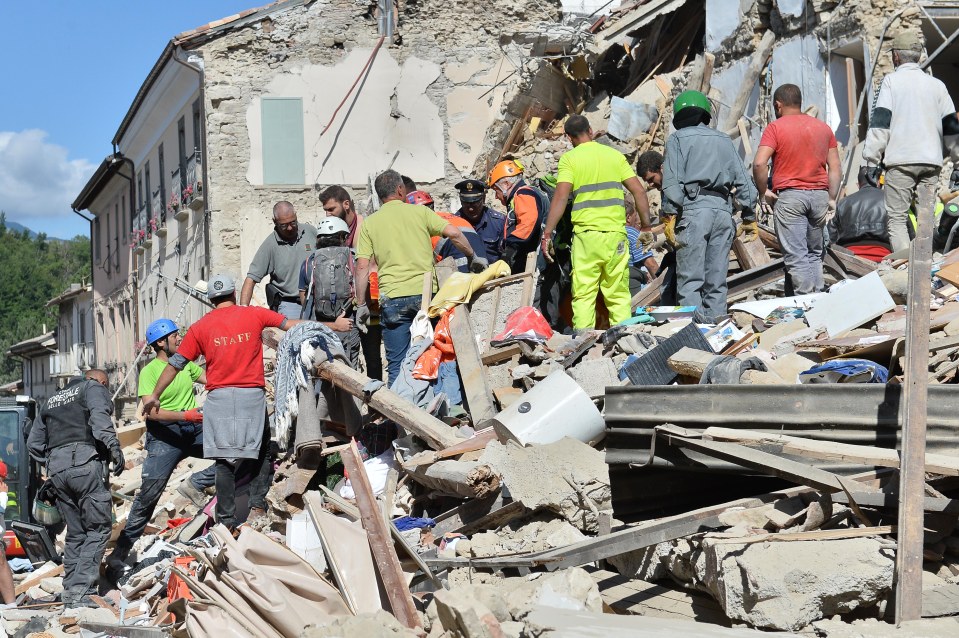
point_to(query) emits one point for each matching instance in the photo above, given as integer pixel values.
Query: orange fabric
(526, 211)
(428, 365)
(452, 219)
(176, 588)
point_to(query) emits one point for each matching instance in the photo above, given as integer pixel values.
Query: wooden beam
(830, 450)
(499, 355)
(434, 432)
(479, 396)
(649, 295)
(738, 108)
(750, 254)
(496, 518)
(814, 535)
(710, 62)
(35, 580)
(527, 297)
(912, 477)
(385, 558)
(771, 464)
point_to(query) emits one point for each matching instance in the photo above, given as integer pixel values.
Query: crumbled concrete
(537, 476)
(463, 615)
(567, 589)
(380, 624)
(52, 585)
(790, 365)
(896, 282)
(872, 628)
(787, 585)
(538, 535)
(594, 375)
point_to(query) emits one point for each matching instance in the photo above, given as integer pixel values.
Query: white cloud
(37, 180)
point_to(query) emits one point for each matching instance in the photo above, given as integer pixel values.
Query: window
(181, 141)
(197, 126)
(116, 230)
(162, 186)
(139, 190)
(282, 131)
(149, 193)
(97, 238)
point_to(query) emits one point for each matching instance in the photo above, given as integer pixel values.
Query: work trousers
(800, 217)
(290, 309)
(350, 340)
(705, 236)
(396, 318)
(85, 504)
(371, 342)
(903, 183)
(552, 286)
(600, 262)
(166, 445)
(228, 472)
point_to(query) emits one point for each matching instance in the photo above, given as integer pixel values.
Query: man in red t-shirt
(236, 429)
(806, 175)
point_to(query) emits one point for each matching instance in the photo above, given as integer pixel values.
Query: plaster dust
(481, 310)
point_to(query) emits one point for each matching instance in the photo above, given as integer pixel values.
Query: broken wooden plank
(494, 356)
(527, 296)
(127, 435)
(850, 262)
(582, 348)
(434, 432)
(35, 580)
(771, 464)
(750, 254)
(890, 501)
(815, 535)
(466, 479)
(496, 518)
(649, 295)
(763, 50)
(830, 450)
(479, 396)
(386, 561)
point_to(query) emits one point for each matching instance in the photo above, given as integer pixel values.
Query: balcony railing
(157, 212)
(86, 356)
(193, 188)
(175, 203)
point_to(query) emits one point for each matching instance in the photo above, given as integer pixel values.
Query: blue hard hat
(159, 329)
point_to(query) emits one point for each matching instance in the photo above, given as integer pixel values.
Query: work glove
(873, 173)
(546, 247)
(193, 416)
(646, 240)
(669, 229)
(116, 457)
(748, 230)
(362, 318)
(478, 264)
(954, 181)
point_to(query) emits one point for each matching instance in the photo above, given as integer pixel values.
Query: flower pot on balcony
(182, 214)
(161, 231)
(148, 242)
(197, 202)
(139, 250)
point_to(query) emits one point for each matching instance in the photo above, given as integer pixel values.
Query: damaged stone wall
(432, 94)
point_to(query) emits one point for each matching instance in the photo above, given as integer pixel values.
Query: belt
(709, 191)
(289, 299)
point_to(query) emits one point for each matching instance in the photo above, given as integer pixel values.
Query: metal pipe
(934, 54)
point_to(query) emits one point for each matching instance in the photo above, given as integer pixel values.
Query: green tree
(34, 270)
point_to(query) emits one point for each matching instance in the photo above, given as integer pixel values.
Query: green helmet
(691, 98)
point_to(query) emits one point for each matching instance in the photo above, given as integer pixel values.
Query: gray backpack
(332, 282)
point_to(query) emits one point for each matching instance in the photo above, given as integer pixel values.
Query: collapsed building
(645, 508)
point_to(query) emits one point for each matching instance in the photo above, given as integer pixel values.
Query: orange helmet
(506, 168)
(421, 198)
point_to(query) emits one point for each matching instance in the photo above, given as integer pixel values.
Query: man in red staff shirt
(237, 433)
(806, 175)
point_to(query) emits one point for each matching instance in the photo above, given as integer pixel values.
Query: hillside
(35, 269)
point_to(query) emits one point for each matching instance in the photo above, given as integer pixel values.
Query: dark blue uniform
(491, 228)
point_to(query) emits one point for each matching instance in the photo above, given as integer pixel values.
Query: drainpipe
(120, 157)
(198, 69)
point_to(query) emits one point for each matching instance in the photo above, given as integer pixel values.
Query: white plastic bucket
(556, 407)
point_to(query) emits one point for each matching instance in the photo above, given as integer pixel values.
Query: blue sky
(70, 70)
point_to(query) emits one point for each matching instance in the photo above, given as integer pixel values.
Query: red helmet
(421, 198)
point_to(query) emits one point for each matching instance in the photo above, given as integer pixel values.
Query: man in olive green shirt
(398, 236)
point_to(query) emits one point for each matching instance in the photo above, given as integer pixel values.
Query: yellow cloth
(398, 237)
(461, 286)
(600, 263)
(597, 173)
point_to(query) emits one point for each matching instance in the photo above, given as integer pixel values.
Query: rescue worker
(174, 433)
(702, 174)
(912, 121)
(595, 175)
(442, 247)
(489, 224)
(526, 208)
(74, 438)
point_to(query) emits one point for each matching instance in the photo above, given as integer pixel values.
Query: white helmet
(332, 225)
